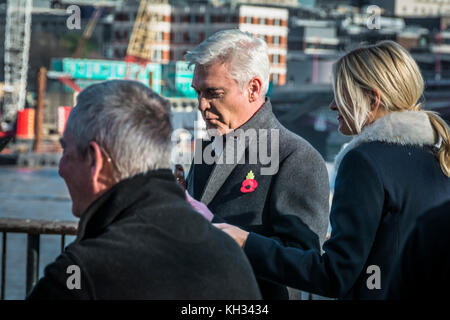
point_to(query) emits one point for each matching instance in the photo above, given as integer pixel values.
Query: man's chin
(213, 130)
(76, 211)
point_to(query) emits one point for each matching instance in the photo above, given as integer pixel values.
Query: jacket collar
(404, 128)
(110, 205)
(261, 119)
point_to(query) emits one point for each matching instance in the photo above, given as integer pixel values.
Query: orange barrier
(25, 124)
(63, 115)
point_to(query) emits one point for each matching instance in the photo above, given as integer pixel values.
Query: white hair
(247, 56)
(129, 121)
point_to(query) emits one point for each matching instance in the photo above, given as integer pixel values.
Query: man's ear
(96, 162)
(254, 89)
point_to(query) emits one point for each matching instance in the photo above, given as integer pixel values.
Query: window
(276, 22)
(276, 40)
(178, 37)
(262, 21)
(157, 55)
(248, 19)
(276, 59)
(200, 19)
(201, 37)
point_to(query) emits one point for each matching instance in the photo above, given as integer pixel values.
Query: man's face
(76, 172)
(224, 106)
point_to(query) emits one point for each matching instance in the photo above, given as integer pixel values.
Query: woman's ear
(375, 100)
(376, 108)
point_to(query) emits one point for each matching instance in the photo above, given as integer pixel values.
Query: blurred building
(414, 8)
(182, 26)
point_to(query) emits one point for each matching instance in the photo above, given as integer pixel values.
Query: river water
(31, 194)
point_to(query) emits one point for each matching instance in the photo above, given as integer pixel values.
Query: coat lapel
(234, 151)
(198, 151)
(232, 154)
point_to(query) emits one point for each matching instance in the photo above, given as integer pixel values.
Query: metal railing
(33, 229)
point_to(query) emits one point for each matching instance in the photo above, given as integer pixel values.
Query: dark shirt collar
(104, 210)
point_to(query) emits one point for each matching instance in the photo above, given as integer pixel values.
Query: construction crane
(88, 31)
(17, 47)
(81, 44)
(144, 35)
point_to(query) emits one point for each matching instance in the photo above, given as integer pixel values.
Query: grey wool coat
(290, 205)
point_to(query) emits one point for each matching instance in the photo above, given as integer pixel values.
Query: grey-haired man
(137, 237)
(287, 198)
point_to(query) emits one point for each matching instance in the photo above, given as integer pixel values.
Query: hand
(200, 207)
(238, 235)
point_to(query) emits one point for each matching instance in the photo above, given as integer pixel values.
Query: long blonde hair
(387, 69)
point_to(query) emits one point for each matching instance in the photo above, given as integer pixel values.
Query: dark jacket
(142, 240)
(387, 177)
(289, 206)
(423, 270)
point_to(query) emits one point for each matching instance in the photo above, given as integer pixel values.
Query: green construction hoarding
(88, 71)
(171, 80)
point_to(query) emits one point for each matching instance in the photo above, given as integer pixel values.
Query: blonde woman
(396, 168)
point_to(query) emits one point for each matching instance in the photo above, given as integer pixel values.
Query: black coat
(142, 240)
(423, 271)
(290, 206)
(380, 190)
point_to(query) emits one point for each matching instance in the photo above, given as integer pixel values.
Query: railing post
(3, 266)
(32, 261)
(63, 242)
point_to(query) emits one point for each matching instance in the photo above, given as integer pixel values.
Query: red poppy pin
(249, 184)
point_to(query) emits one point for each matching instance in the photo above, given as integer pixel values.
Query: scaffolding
(17, 47)
(144, 35)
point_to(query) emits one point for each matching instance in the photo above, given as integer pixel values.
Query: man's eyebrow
(208, 88)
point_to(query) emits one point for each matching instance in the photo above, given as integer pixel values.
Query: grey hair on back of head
(128, 120)
(247, 56)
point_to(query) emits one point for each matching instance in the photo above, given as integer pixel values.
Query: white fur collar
(405, 128)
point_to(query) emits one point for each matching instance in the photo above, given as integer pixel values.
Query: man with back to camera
(286, 199)
(137, 236)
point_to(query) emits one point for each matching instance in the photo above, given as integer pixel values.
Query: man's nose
(203, 103)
